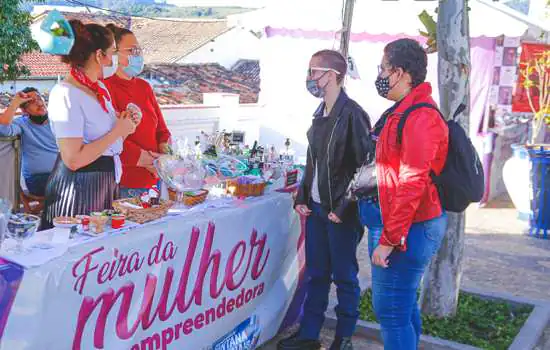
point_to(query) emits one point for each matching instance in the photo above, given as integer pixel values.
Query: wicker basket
(245, 190)
(187, 198)
(141, 215)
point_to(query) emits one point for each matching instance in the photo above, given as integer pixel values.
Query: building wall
(187, 121)
(227, 49)
(14, 86)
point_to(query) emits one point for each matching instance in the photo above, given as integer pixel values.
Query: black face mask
(38, 119)
(383, 85)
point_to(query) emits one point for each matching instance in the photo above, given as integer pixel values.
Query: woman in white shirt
(88, 131)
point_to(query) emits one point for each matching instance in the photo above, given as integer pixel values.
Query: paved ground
(498, 256)
(359, 343)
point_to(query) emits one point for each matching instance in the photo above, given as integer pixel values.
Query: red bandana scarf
(100, 92)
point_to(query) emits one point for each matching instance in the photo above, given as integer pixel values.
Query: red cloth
(151, 132)
(406, 191)
(100, 92)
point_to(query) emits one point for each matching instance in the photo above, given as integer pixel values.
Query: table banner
(217, 280)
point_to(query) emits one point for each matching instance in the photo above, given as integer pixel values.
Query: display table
(206, 278)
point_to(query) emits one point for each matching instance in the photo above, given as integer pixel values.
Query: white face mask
(109, 71)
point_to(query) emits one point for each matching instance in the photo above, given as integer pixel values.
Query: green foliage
(15, 39)
(478, 322)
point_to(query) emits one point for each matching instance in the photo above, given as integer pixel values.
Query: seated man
(39, 149)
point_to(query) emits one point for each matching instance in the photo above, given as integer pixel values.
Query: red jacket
(406, 191)
(149, 134)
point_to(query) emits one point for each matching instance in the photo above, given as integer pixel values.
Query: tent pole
(346, 28)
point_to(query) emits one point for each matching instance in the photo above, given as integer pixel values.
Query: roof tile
(169, 41)
(43, 65)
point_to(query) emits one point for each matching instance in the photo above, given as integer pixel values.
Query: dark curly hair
(408, 55)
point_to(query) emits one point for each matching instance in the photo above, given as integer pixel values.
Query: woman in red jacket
(408, 223)
(151, 137)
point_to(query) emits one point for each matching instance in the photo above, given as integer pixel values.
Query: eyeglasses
(311, 70)
(381, 69)
(134, 51)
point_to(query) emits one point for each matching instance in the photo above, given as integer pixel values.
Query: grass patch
(478, 322)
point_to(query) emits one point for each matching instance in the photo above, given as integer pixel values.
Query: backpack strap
(406, 114)
(461, 108)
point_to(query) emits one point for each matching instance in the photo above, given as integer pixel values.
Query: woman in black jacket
(339, 142)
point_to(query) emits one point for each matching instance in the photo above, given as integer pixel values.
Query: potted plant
(536, 74)
(524, 186)
(537, 87)
(534, 92)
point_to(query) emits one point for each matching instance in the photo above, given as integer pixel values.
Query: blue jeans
(36, 183)
(371, 219)
(330, 256)
(394, 288)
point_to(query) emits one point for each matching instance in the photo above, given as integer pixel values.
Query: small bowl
(118, 221)
(99, 222)
(23, 226)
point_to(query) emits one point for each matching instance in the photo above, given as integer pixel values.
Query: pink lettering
(114, 267)
(121, 265)
(230, 305)
(178, 328)
(188, 326)
(199, 321)
(102, 275)
(208, 258)
(257, 271)
(184, 278)
(230, 270)
(209, 262)
(169, 251)
(134, 263)
(81, 278)
(167, 337)
(154, 254)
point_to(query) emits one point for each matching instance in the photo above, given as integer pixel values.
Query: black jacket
(338, 145)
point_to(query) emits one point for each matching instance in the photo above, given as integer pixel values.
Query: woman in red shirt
(405, 220)
(151, 136)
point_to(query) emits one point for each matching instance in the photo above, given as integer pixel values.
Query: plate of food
(65, 221)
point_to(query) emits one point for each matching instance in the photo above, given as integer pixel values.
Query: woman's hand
(334, 218)
(124, 126)
(303, 210)
(381, 254)
(164, 148)
(146, 159)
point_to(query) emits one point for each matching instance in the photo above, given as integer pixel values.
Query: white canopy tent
(381, 16)
(297, 29)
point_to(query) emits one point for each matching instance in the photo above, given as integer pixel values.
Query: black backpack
(462, 180)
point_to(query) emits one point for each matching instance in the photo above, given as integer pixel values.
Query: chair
(32, 204)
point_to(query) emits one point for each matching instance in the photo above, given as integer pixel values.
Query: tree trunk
(441, 282)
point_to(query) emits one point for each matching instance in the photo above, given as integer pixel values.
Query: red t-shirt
(149, 134)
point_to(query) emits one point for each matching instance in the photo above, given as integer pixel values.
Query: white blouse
(75, 114)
